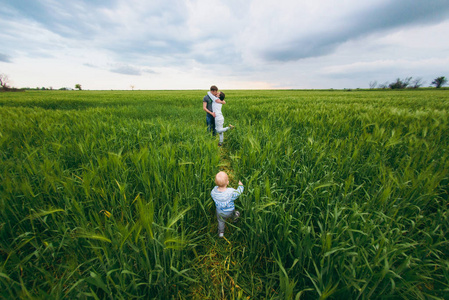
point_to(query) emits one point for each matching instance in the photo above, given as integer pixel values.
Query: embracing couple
(212, 104)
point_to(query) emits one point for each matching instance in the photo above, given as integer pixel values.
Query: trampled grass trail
(218, 263)
(226, 165)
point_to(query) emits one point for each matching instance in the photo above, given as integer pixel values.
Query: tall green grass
(107, 195)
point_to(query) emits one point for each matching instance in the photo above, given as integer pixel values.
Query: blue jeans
(210, 124)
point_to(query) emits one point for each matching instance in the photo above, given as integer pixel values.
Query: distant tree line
(408, 83)
(47, 88)
(5, 86)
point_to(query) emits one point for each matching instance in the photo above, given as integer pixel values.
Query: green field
(106, 195)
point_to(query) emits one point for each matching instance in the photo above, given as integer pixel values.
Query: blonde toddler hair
(221, 179)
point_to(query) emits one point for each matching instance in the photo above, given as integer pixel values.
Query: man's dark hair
(213, 88)
(222, 96)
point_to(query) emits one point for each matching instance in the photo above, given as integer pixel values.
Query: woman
(217, 103)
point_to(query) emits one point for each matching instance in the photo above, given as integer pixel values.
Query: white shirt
(216, 107)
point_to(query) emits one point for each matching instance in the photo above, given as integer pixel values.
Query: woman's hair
(222, 96)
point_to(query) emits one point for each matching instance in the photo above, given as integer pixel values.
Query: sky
(234, 44)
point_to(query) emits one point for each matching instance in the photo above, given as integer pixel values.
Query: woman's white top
(216, 107)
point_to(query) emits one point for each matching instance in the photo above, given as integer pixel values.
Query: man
(207, 107)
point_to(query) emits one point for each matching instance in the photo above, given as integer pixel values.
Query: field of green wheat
(106, 195)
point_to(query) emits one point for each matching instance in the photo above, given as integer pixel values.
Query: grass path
(217, 266)
(225, 165)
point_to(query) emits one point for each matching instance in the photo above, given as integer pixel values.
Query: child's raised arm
(238, 191)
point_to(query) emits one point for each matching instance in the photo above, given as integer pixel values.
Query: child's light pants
(221, 217)
(219, 122)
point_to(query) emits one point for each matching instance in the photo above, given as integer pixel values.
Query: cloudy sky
(234, 44)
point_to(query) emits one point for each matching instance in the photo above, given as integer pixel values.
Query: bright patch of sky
(234, 44)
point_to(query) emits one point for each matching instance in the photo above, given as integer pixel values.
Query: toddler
(224, 200)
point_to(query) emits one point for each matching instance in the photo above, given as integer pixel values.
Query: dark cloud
(221, 56)
(90, 65)
(5, 58)
(130, 47)
(158, 31)
(158, 28)
(69, 19)
(127, 70)
(149, 71)
(390, 15)
(124, 69)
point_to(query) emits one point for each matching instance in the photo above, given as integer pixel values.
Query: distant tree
(132, 87)
(78, 86)
(373, 84)
(4, 81)
(400, 84)
(417, 83)
(439, 82)
(4, 85)
(383, 85)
